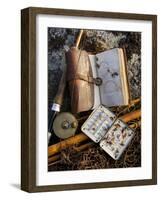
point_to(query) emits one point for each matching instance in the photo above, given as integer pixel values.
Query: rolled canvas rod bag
(80, 80)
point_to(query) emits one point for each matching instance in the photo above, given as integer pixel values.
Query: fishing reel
(65, 125)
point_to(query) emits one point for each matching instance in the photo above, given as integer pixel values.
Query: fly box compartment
(98, 123)
(117, 139)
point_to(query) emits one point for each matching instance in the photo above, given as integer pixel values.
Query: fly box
(112, 134)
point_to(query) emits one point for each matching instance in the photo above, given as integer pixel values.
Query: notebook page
(109, 71)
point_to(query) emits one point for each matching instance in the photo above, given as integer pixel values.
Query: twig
(78, 149)
(54, 158)
(135, 125)
(84, 146)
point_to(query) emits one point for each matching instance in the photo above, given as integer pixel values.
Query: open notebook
(110, 66)
(97, 79)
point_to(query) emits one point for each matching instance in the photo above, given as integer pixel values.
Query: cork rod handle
(60, 93)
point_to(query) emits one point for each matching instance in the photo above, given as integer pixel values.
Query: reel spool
(65, 125)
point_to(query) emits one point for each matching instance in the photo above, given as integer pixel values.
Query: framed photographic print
(89, 99)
